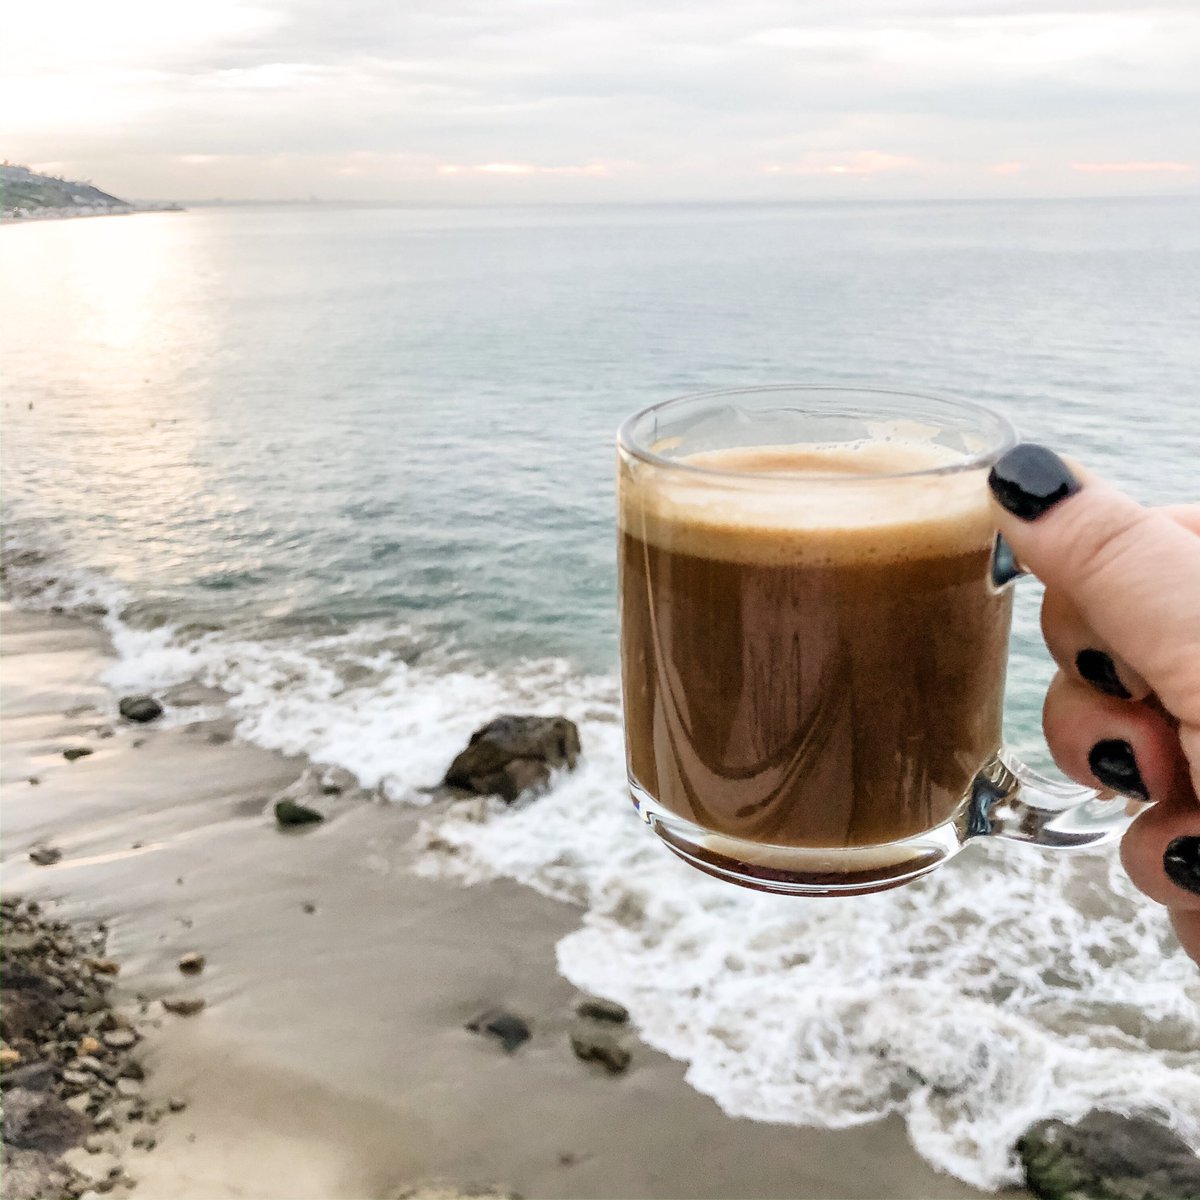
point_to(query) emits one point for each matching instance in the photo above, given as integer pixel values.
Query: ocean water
(355, 467)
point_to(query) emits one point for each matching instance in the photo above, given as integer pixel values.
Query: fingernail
(1030, 479)
(1182, 863)
(1112, 762)
(1004, 563)
(1101, 672)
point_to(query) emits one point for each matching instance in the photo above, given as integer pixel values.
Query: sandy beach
(332, 1059)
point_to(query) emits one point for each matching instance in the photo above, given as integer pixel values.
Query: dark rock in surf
(1107, 1156)
(140, 709)
(596, 1009)
(513, 755)
(76, 752)
(510, 1029)
(602, 1048)
(289, 813)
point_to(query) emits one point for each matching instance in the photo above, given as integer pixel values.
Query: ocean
(355, 466)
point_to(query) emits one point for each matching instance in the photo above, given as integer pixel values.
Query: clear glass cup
(815, 612)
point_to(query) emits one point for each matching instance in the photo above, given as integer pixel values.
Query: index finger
(1132, 572)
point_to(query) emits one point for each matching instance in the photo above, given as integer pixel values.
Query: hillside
(24, 194)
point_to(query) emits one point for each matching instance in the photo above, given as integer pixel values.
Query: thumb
(1132, 572)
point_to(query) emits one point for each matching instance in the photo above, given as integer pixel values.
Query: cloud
(861, 163)
(634, 99)
(1133, 168)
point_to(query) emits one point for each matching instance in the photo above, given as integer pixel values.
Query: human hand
(1121, 616)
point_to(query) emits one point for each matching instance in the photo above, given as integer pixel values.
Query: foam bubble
(810, 505)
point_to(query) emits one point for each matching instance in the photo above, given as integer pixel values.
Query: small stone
(77, 752)
(33, 779)
(9, 1057)
(603, 1010)
(119, 1039)
(45, 856)
(177, 1104)
(140, 708)
(97, 1169)
(74, 1023)
(602, 1048)
(104, 1119)
(130, 1089)
(75, 1078)
(88, 1045)
(94, 1143)
(191, 963)
(289, 813)
(145, 1140)
(183, 1006)
(138, 743)
(80, 1103)
(509, 1028)
(308, 906)
(154, 1115)
(89, 1062)
(103, 966)
(132, 1069)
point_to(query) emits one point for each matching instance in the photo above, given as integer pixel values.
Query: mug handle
(1011, 800)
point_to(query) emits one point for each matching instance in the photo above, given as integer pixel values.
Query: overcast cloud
(593, 100)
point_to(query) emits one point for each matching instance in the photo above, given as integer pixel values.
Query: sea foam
(1010, 986)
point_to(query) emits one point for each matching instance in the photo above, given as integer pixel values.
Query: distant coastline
(27, 196)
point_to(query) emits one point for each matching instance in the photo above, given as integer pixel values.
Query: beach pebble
(103, 1119)
(289, 812)
(103, 966)
(119, 1039)
(510, 1029)
(45, 856)
(40, 1121)
(94, 1143)
(77, 752)
(140, 708)
(183, 1006)
(596, 1009)
(308, 906)
(191, 963)
(602, 1048)
(9, 1057)
(95, 1168)
(80, 1103)
(132, 1069)
(177, 1104)
(88, 1045)
(145, 1140)
(130, 1089)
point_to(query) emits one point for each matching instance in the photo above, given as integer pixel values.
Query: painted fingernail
(1005, 567)
(1112, 762)
(1030, 479)
(1101, 672)
(1182, 863)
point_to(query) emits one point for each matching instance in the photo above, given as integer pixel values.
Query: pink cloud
(1008, 168)
(1133, 168)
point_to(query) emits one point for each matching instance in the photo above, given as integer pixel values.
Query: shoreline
(332, 1059)
(65, 214)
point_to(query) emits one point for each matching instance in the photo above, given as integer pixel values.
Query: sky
(528, 101)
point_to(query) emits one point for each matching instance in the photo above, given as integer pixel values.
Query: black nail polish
(1005, 567)
(1182, 863)
(1112, 763)
(1030, 479)
(1101, 672)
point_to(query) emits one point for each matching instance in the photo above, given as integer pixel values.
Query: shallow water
(354, 465)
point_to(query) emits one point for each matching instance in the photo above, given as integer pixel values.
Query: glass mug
(815, 613)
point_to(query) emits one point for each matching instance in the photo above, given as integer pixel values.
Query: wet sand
(331, 1060)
